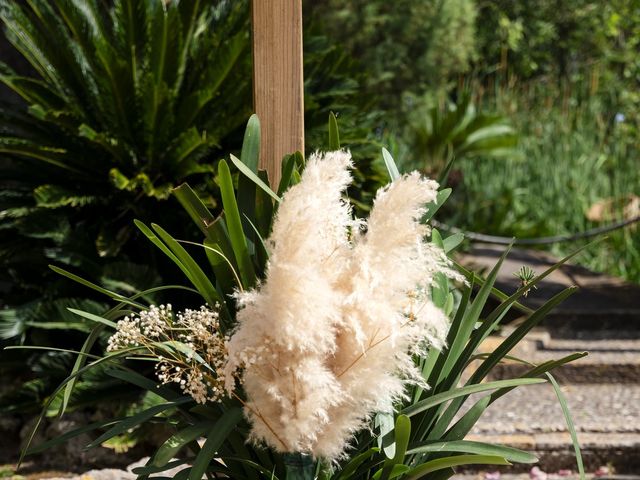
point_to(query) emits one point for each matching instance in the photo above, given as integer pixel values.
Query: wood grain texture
(278, 96)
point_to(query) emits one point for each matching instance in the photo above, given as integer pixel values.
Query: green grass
(571, 154)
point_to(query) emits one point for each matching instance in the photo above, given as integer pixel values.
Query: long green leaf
(334, 135)
(288, 165)
(247, 191)
(468, 322)
(93, 318)
(250, 155)
(394, 472)
(480, 448)
(253, 177)
(144, 383)
(402, 433)
(391, 165)
(495, 293)
(440, 463)
(194, 206)
(495, 316)
(537, 370)
(467, 390)
(253, 465)
(433, 207)
(518, 334)
(149, 468)
(351, 467)
(195, 273)
(570, 425)
(78, 364)
(463, 426)
(497, 356)
(234, 224)
(182, 259)
(58, 389)
(215, 439)
(93, 286)
(135, 420)
(71, 434)
(178, 441)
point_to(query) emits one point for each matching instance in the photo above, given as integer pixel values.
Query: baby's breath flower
(199, 371)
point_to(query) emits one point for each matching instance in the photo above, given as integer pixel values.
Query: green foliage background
(407, 46)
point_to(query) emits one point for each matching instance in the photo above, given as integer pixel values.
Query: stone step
(608, 361)
(606, 417)
(602, 301)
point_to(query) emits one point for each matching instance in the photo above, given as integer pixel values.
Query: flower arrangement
(324, 346)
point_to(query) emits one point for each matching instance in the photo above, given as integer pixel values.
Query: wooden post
(277, 81)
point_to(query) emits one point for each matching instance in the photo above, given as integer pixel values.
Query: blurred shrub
(440, 134)
(407, 46)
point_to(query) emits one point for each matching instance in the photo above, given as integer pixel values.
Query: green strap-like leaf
(234, 225)
(570, 425)
(496, 315)
(59, 388)
(93, 318)
(215, 439)
(252, 176)
(334, 135)
(194, 206)
(468, 322)
(479, 448)
(518, 334)
(71, 434)
(402, 433)
(386, 441)
(391, 165)
(95, 287)
(135, 420)
(79, 363)
(467, 390)
(149, 468)
(440, 463)
(434, 206)
(247, 191)
(144, 383)
(191, 267)
(452, 241)
(182, 259)
(464, 425)
(177, 441)
(351, 467)
(288, 165)
(250, 154)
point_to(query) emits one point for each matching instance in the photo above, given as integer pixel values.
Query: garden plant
(313, 344)
(133, 98)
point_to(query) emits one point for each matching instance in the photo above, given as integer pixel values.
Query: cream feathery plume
(286, 326)
(388, 315)
(327, 341)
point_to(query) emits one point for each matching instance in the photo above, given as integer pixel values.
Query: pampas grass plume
(326, 341)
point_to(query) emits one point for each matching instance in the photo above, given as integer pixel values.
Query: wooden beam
(278, 80)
